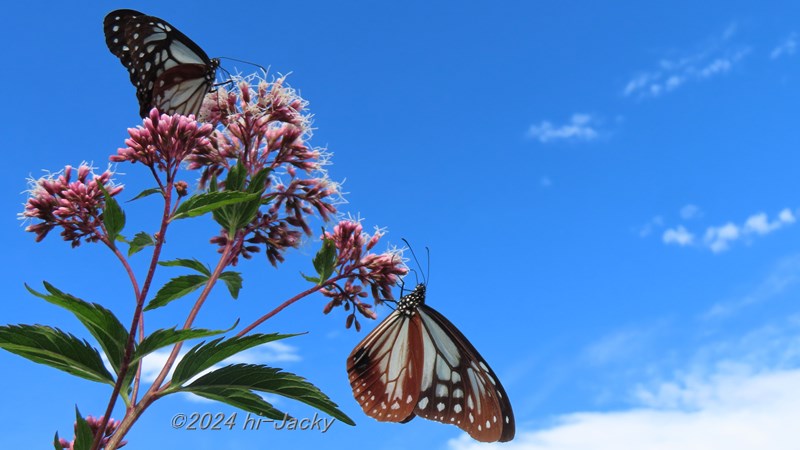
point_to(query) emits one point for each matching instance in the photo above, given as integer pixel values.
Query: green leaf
(127, 382)
(202, 356)
(83, 432)
(55, 348)
(57, 442)
(169, 336)
(146, 192)
(258, 183)
(101, 323)
(314, 280)
(234, 282)
(270, 380)
(193, 264)
(140, 241)
(113, 215)
(237, 175)
(200, 204)
(325, 260)
(175, 289)
(239, 398)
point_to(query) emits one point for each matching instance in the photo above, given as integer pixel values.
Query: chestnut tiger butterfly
(169, 70)
(417, 363)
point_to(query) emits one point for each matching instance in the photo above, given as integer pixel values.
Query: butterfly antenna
(428, 276)
(424, 279)
(245, 62)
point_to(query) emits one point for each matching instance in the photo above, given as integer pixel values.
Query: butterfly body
(170, 72)
(417, 363)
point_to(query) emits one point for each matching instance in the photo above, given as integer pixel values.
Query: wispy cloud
(785, 274)
(712, 59)
(787, 47)
(690, 211)
(648, 228)
(581, 127)
(721, 237)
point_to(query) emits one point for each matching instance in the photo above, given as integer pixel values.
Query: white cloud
(581, 127)
(680, 236)
(786, 48)
(738, 393)
(731, 412)
(712, 59)
(720, 238)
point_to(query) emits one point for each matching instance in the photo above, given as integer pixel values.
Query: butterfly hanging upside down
(417, 363)
(170, 72)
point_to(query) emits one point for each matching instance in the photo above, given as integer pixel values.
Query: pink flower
(265, 127)
(361, 270)
(75, 206)
(165, 141)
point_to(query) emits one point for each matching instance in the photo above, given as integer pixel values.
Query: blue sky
(609, 193)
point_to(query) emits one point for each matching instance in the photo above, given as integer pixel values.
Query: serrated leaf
(83, 432)
(193, 264)
(175, 289)
(236, 177)
(239, 398)
(270, 380)
(113, 215)
(162, 338)
(55, 348)
(140, 241)
(314, 280)
(200, 204)
(325, 260)
(101, 323)
(258, 182)
(204, 355)
(145, 193)
(233, 280)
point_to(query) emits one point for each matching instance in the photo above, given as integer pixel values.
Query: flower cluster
(165, 141)
(94, 424)
(75, 206)
(264, 127)
(362, 269)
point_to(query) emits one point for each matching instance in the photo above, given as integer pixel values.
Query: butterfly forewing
(169, 70)
(416, 362)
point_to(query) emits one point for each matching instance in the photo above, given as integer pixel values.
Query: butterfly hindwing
(170, 72)
(458, 387)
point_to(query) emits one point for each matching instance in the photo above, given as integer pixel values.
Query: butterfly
(169, 70)
(417, 363)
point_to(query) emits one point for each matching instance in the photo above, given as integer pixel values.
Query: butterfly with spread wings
(417, 363)
(169, 70)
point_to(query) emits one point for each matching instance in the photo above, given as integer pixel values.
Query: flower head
(264, 127)
(164, 141)
(75, 206)
(361, 270)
